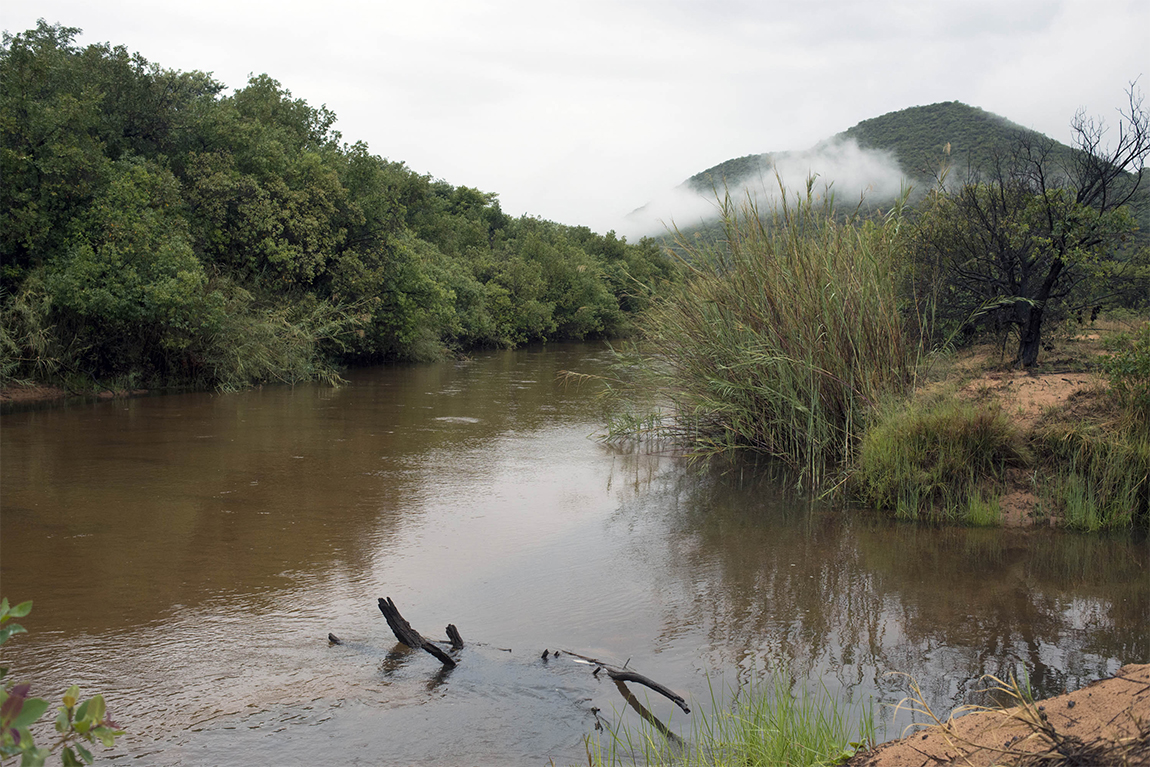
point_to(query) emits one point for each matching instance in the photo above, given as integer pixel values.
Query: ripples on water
(188, 555)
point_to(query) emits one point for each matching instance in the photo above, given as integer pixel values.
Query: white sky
(582, 111)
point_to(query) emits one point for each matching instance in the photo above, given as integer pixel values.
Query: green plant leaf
(72, 696)
(20, 610)
(33, 757)
(32, 710)
(92, 710)
(9, 631)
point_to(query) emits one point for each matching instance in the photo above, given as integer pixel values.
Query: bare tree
(1042, 225)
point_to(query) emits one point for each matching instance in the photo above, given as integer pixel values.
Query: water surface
(189, 554)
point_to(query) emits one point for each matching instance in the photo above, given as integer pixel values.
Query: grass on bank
(942, 457)
(769, 724)
(781, 338)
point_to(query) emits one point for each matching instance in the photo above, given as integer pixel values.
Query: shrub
(1128, 368)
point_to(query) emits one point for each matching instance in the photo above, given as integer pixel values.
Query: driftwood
(412, 638)
(651, 719)
(623, 675)
(453, 635)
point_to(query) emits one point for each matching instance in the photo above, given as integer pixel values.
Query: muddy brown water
(189, 554)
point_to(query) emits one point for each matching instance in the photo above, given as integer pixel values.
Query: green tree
(128, 283)
(51, 158)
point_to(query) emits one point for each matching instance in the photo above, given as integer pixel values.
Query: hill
(917, 138)
(871, 159)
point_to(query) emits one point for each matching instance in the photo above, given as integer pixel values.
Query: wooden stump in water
(412, 638)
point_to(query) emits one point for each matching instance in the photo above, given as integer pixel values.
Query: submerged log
(630, 676)
(624, 675)
(651, 719)
(409, 636)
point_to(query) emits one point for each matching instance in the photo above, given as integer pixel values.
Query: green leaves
(7, 614)
(76, 721)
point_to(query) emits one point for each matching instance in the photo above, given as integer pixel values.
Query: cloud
(837, 165)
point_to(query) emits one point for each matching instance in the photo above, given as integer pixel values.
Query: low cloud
(849, 171)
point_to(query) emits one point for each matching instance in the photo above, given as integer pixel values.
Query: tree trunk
(1030, 339)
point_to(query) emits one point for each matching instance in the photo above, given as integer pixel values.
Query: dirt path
(1106, 723)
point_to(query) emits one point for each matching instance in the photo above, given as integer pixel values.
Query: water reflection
(847, 596)
(189, 554)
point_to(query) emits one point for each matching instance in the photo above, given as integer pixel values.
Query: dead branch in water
(412, 638)
(624, 675)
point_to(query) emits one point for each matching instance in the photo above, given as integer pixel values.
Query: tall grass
(771, 724)
(249, 343)
(784, 333)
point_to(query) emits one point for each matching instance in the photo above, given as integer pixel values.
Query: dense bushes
(155, 231)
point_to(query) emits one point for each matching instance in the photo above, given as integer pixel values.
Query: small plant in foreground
(76, 722)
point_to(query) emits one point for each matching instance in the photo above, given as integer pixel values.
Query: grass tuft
(939, 458)
(770, 724)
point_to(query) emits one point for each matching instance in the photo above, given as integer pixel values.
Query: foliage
(156, 231)
(781, 338)
(1037, 230)
(937, 458)
(1128, 368)
(1102, 474)
(77, 722)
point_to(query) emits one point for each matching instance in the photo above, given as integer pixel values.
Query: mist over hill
(870, 162)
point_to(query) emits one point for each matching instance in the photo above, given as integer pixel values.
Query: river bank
(1105, 723)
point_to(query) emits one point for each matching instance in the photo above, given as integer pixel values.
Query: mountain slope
(917, 137)
(869, 159)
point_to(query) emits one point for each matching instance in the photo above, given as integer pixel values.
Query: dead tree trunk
(410, 637)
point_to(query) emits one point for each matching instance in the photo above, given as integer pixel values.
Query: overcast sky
(582, 111)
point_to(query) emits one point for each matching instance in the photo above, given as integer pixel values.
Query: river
(188, 555)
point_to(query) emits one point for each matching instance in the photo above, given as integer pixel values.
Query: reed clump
(1101, 478)
(784, 334)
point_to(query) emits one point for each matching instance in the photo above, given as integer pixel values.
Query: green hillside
(730, 173)
(919, 136)
(921, 139)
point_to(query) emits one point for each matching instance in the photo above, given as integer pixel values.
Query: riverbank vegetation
(770, 723)
(823, 339)
(155, 231)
